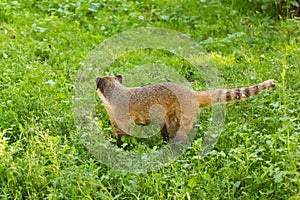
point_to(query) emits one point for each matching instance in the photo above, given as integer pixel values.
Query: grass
(43, 45)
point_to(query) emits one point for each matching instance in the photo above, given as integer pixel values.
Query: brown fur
(175, 106)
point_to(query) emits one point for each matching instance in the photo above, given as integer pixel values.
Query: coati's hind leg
(170, 127)
(183, 131)
(164, 133)
(179, 129)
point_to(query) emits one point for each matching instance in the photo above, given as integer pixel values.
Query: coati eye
(119, 78)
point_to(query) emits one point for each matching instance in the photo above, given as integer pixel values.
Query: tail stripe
(237, 94)
(246, 93)
(256, 89)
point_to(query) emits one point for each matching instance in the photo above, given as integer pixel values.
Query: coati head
(107, 84)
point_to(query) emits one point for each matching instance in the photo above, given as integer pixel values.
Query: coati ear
(98, 79)
(119, 78)
(99, 84)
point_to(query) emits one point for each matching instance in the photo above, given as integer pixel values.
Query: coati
(175, 106)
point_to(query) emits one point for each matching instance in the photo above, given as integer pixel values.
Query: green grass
(43, 45)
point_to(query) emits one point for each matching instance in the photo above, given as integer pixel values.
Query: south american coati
(174, 105)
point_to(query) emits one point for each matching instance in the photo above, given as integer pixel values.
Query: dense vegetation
(43, 45)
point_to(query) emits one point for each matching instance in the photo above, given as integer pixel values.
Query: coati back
(174, 105)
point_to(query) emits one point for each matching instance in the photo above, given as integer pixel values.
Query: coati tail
(212, 97)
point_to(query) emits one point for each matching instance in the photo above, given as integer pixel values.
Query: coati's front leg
(122, 128)
(119, 140)
(118, 134)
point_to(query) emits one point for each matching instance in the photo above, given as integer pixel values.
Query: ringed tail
(211, 97)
